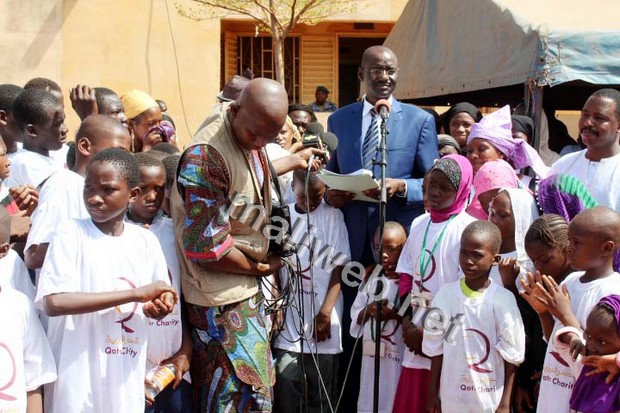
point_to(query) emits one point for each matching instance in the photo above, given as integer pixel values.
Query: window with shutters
(257, 54)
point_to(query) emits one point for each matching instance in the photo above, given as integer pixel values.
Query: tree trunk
(278, 53)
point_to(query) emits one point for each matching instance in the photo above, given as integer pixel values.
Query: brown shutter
(230, 56)
(318, 64)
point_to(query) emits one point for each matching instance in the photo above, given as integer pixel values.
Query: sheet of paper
(355, 182)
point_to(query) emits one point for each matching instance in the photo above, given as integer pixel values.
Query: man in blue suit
(411, 151)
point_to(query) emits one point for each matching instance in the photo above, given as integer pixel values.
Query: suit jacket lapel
(356, 123)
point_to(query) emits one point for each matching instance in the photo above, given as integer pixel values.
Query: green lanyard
(424, 262)
(372, 323)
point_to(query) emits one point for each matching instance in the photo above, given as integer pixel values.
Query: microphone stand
(383, 132)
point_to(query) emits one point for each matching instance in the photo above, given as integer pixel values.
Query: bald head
(374, 53)
(96, 133)
(600, 222)
(259, 113)
(267, 96)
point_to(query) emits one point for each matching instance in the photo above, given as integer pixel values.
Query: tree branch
(266, 11)
(292, 19)
(232, 8)
(274, 19)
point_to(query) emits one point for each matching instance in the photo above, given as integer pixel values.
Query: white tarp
(453, 46)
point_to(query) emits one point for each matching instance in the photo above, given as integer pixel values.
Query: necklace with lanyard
(423, 261)
(372, 324)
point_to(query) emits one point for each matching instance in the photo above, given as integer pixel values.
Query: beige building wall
(124, 44)
(120, 44)
(32, 44)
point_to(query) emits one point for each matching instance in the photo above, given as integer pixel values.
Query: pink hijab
(458, 169)
(491, 175)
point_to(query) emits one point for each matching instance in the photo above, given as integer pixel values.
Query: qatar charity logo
(427, 274)
(11, 380)
(476, 366)
(303, 273)
(558, 358)
(387, 336)
(134, 307)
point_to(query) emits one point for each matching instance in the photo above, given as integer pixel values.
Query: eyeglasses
(376, 72)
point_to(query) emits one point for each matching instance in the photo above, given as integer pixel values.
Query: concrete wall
(124, 44)
(119, 44)
(32, 44)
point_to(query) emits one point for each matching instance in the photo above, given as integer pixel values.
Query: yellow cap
(135, 102)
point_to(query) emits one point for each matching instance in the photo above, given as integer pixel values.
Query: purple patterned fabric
(567, 196)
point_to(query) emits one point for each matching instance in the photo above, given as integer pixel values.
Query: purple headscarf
(613, 301)
(564, 195)
(592, 394)
(496, 128)
(165, 130)
(451, 165)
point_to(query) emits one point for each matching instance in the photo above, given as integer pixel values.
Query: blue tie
(371, 141)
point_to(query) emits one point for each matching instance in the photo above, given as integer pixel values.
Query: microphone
(326, 141)
(330, 140)
(383, 107)
(314, 129)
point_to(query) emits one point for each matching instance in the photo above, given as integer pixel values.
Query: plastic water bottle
(162, 377)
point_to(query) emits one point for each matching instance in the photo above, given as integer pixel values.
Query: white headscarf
(525, 212)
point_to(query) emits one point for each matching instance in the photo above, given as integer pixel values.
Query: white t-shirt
(14, 274)
(443, 266)
(60, 156)
(472, 376)
(558, 379)
(4, 190)
(599, 177)
(28, 167)
(60, 198)
(99, 353)
(20, 147)
(329, 232)
(166, 335)
(275, 151)
(392, 337)
(26, 359)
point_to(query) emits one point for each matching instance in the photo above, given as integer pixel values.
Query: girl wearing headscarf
(491, 139)
(513, 210)
(447, 145)
(429, 260)
(459, 119)
(522, 128)
(593, 394)
(490, 178)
